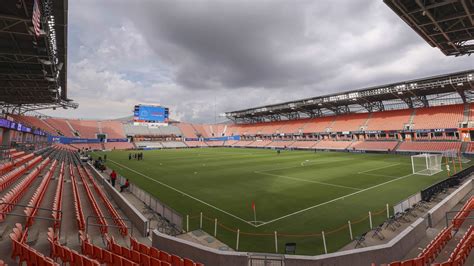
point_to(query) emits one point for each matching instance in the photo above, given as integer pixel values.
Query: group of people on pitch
(136, 156)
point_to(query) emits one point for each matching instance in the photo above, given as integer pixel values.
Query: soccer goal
(426, 163)
(455, 156)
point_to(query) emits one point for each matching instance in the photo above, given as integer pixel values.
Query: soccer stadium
(367, 175)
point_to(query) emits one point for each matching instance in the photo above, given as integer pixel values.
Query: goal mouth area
(426, 164)
(427, 172)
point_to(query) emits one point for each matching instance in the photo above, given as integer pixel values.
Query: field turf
(298, 194)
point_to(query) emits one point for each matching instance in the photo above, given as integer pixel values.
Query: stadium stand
(173, 144)
(34, 122)
(350, 122)
(215, 143)
(292, 127)
(425, 146)
(397, 118)
(218, 130)
(87, 129)
(118, 145)
(113, 129)
(90, 146)
(375, 145)
(437, 246)
(332, 145)
(187, 130)
(195, 144)
(260, 143)
(304, 144)
(281, 144)
(318, 124)
(439, 117)
(61, 126)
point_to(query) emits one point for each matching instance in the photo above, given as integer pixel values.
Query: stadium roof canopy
(33, 61)
(437, 90)
(446, 24)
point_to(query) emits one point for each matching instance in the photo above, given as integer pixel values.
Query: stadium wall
(394, 250)
(438, 212)
(197, 252)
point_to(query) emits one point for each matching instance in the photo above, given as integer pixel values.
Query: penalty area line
(333, 200)
(378, 168)
(309, 181)
(183, 193)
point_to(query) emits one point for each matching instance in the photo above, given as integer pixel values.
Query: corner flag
(254, 212)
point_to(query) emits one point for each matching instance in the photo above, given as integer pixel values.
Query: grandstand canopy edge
(447, 25)
(458, 86)
(33, 60)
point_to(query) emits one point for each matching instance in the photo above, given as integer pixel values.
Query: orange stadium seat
(397, 118)
(429, 146)
(375, 145)
(439, 117)
(87, 129)
(349, 122)
(113, 129)
(61, 126)
(318, 124)
(187, 130)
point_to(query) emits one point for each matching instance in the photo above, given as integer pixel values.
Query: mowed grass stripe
(181, 192)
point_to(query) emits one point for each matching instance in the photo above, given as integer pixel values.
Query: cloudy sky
(203, 57)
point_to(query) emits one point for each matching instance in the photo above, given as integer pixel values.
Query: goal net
(426, 164)
(455, 156)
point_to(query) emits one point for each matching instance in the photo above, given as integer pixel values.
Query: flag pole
(254, 213)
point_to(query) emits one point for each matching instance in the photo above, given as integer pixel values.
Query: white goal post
(426, 164)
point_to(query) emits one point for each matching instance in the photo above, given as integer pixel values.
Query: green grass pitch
(298, 194)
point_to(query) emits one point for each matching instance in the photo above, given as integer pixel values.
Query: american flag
(36, 18)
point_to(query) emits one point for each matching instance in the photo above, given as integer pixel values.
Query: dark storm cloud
(203, 57)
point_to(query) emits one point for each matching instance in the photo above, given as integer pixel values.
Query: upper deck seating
(34, 122)
(397, 118)
(292, 127)
(349, 122)
(318, 124)
(61, 126)
(113, 129)
(86, 129)
(427, 146)
(447, 116)
(187, 130)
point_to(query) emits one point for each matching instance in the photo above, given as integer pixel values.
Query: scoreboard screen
(151, 114)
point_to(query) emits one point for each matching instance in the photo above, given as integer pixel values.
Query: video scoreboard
(150, 114)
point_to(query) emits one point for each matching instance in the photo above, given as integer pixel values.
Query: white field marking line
(228, 153)
(378, 168)
(309, 181)
(333, 200)
(389, 176)
(297, 166)
(183, 193)
(309, 162)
